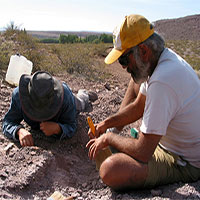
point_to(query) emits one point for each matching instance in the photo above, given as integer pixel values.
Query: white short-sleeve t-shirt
(172, 107)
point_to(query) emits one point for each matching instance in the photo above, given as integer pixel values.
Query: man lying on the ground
(45, 104)
(165, 92)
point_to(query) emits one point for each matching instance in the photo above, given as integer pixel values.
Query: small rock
(11, 154)
(84, 185)
(107, 86)
(8, 147)
(94, 184)
(156, 192)
(126, 197)
(119, 196)
(3, 175)
(33, 153)
(75, 194)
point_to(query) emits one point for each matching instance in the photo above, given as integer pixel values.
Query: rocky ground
(36, 172)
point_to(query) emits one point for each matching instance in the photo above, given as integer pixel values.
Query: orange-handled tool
(91, 125)
(104, 153)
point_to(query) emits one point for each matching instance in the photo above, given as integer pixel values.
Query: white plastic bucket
(18, 65)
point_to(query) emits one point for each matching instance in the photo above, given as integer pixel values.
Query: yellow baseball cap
(134, 30)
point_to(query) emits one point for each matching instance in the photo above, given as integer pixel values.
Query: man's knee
(120, 172)
(113, 171)
(106, 171)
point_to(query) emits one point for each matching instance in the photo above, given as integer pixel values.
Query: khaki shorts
(166, 168)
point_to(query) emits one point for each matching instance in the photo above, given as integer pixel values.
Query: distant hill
(186, 28)
(56, 34)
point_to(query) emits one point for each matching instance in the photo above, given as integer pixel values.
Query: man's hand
(25, 137)
(99, 129)
(50, 128)
(95, 145)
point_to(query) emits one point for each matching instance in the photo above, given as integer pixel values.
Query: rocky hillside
(185, 28)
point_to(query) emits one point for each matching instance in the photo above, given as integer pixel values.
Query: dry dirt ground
(53, 165)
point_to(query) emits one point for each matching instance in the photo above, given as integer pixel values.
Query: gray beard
(141, 71)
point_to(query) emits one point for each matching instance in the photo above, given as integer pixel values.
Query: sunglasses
(123, 60)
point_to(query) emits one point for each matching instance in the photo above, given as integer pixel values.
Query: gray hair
(156, 43)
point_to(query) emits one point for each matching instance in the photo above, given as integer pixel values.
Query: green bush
(49, 40)
(68, 39)
(103, 38)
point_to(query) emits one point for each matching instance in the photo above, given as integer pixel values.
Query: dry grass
(77, 59)
(187, 49)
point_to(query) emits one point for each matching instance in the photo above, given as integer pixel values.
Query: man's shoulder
(170, 67)
(15, 93)
(16, 97)
(68, 95)
(66, 87)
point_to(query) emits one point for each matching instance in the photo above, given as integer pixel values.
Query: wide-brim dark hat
(41, 95)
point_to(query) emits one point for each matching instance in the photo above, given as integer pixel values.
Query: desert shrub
(81, 59)
(101, 49)
(24, 44)
(78, 59)
(50, 61)
(6, 50)
(11, 28)
(4, 59)
(4, 54)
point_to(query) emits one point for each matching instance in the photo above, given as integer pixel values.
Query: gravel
(53, 165)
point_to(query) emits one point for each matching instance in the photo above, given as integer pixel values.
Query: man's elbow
(146, 158)
(143, 156)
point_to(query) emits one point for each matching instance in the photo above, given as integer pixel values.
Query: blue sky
(88, 15)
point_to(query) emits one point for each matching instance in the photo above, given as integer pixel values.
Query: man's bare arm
(125, 116)
(140, 149)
